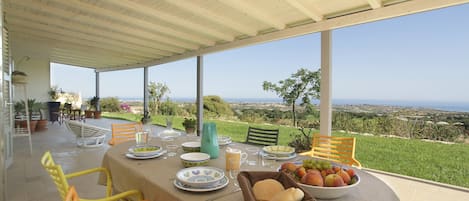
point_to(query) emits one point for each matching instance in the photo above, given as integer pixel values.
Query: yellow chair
(124, 132)
(72, 195)
(336, 149)
(60, 179)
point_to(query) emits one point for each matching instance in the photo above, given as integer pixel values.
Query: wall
(38, 70)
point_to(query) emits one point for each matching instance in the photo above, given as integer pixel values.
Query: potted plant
(53, 106)
(20, 110)
(189, 125)
(94, 103)
(88, 112)
(18, 77)
(42, 122)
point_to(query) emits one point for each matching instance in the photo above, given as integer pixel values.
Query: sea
(438, 105)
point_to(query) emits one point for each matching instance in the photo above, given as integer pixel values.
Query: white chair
(87, 135)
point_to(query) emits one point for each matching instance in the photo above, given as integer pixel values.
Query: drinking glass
(233, 172)
(142, 138)
(268, 161)
(165, 142)
(253, 155)
(172, 149)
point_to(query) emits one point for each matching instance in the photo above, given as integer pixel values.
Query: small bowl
(200, 176)
(191, 146)
(329, 192)
(194, 159)
(279, 150)
(147, 150)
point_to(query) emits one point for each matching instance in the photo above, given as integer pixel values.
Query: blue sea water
(445, 106)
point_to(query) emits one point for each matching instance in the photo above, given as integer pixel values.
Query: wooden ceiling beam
(375, 3)
(78, 35)
(217, 17)
(95, 30)
(173, 19)
(246, 8)
(100, 22)
(51, 41)
(311, 12)
(128, 20)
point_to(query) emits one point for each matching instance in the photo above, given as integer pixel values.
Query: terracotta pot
(32, 125)
(190, 130)
(97, 114)
(41, 125)
(89, 114)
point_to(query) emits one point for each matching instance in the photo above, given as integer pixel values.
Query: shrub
(110, 104)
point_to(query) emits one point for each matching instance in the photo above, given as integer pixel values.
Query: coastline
(337, 103)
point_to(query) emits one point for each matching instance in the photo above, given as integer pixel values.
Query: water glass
(142, 138)
(268, 161)
(172, 149)
(253, 155)
(233, 172)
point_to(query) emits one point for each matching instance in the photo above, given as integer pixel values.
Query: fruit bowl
(329, 192)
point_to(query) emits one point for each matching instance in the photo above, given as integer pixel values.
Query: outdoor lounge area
(28, 181)
(114, 35)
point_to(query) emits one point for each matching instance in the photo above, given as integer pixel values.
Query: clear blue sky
(422, 57)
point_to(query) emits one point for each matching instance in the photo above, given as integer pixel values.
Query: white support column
(145, 93)
(326, 84)
(98, 107)
(200, 95)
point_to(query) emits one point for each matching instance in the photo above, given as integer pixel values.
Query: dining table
(155, 177)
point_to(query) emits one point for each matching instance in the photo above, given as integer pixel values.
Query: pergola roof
(120, 34)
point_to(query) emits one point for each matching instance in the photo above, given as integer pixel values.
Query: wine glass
(234, 171)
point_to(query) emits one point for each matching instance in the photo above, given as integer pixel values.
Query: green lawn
(433, 161)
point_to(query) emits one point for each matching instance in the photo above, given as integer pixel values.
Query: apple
(313, 171)
(344, 176)
(336, 168)
(289, 167)
(333, 180)
(351, 172)
(300, 171)
(312, 178)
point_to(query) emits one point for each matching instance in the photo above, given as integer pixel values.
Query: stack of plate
(145, 152)
(224, 140)
(200, 179)
(279, 152)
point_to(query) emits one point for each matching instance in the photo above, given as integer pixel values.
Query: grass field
(433, 161)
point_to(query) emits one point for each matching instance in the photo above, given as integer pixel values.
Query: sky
(420, 57)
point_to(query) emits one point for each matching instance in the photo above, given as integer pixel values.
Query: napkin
(247, 179)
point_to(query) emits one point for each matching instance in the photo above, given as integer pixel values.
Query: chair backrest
(260, 136)
(67, 108)
(72, 194)
(85, 130)
(337, 149)
(124, 132)
(56, 173)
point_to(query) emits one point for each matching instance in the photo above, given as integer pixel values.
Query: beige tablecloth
(154, 177)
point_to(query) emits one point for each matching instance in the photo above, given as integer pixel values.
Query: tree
(156, 92)
(304, 85)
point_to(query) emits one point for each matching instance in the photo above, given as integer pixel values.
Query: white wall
(38, 71)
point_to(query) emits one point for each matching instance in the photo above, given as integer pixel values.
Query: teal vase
(209, 143)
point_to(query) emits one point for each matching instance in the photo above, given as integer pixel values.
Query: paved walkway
(27, 180)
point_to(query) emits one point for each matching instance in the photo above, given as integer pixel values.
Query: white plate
(129, 155)
(169, 133)
(280, 158)
(279, 150)
(224, 142)
(145, 153)
(200, 176)
(224, 182)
